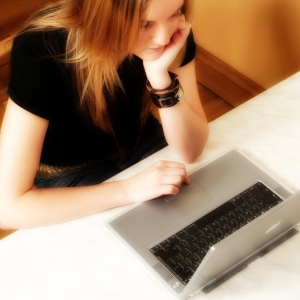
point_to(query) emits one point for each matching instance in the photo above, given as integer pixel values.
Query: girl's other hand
(162, 178)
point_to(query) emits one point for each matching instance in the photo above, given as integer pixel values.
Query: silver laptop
(232, 213)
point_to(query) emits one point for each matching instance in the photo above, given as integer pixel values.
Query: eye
(177, 14)
(145, 25)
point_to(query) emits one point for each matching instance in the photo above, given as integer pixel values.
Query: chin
(149, 55)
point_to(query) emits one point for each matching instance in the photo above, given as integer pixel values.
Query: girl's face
(160, 23)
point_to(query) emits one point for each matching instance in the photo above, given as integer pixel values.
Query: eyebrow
(181, 7)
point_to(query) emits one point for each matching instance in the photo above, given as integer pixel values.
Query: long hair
(100, 34)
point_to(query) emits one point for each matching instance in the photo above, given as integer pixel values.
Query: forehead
(160, 9)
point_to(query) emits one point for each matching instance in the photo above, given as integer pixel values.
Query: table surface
(78, 260)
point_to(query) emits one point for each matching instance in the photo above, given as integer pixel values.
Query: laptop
(232, 213)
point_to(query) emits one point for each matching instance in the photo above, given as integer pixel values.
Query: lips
(156, 49)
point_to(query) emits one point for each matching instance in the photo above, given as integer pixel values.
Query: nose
(161, 35)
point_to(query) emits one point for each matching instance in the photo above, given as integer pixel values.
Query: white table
(79, 261)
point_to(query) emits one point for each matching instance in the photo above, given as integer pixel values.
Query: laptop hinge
(243, 264)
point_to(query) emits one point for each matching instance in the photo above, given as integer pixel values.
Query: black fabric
(42, 85)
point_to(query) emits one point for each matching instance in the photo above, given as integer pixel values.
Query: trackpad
(190, 198)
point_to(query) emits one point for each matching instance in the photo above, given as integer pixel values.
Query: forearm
(41, 207)
(186, 132)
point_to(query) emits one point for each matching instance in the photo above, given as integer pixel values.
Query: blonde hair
(100, 34)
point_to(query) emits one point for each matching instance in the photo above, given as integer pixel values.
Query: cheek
(173, 27)
(141, 43)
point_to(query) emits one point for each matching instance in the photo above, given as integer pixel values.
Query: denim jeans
(98, 172)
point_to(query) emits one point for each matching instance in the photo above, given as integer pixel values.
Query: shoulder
(39, 43)
(37, 78)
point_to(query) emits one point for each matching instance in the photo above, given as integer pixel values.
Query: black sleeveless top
(42, 85)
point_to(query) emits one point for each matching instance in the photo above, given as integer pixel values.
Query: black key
(274, 203)
(210, 240)
(185, 253)
(233, 224)
(253, 200)
(194, 266)
(248, 215)
(259, 185)
(213, 215)
(243, 206)
(154, 249)
(237, 200)
(164, 244)
(181, 235)
(201, 243)
(168, 254)
(190, 229)
(269, 206)
(246, 195)
(253, 190)
(206, 230)
(199, 255)
(190, 240)
(175, 259)
(258, 197)
(217, 234)
(229, 215)
(190, 260)
(197, 235)
(221, 220)
(171, 264)
(185, 275)
(260, 204)
(225, 228)
(240, 219)
(183, 264)
(182, 245)
(271, 198)
(265, 191)
(259, 210)
(235, 211)
(172, 238)
(177, 269)
(174, 243)
(214, 225)
(194, 248)
(157, 252)
(253, 209)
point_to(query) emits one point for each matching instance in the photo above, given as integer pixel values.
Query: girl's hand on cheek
(170, 50)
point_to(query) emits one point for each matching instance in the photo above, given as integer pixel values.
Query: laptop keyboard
(183, 252)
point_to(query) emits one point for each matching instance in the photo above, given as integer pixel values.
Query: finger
(187, 179)
(175, 180)
(181, 34)
(170, 164)
(182, 25)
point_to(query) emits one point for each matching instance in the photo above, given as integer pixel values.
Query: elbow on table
(194, 151)
(5, 223)
(7, 217)
(190, 158)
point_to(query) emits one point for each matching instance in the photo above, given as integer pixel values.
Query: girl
(85, 76)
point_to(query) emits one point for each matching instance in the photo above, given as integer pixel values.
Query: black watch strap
(166, 100)
(169, 96)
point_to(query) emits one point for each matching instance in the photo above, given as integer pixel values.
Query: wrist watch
(169, 96)
(168, 99)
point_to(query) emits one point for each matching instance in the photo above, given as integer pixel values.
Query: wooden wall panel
(223, 80)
